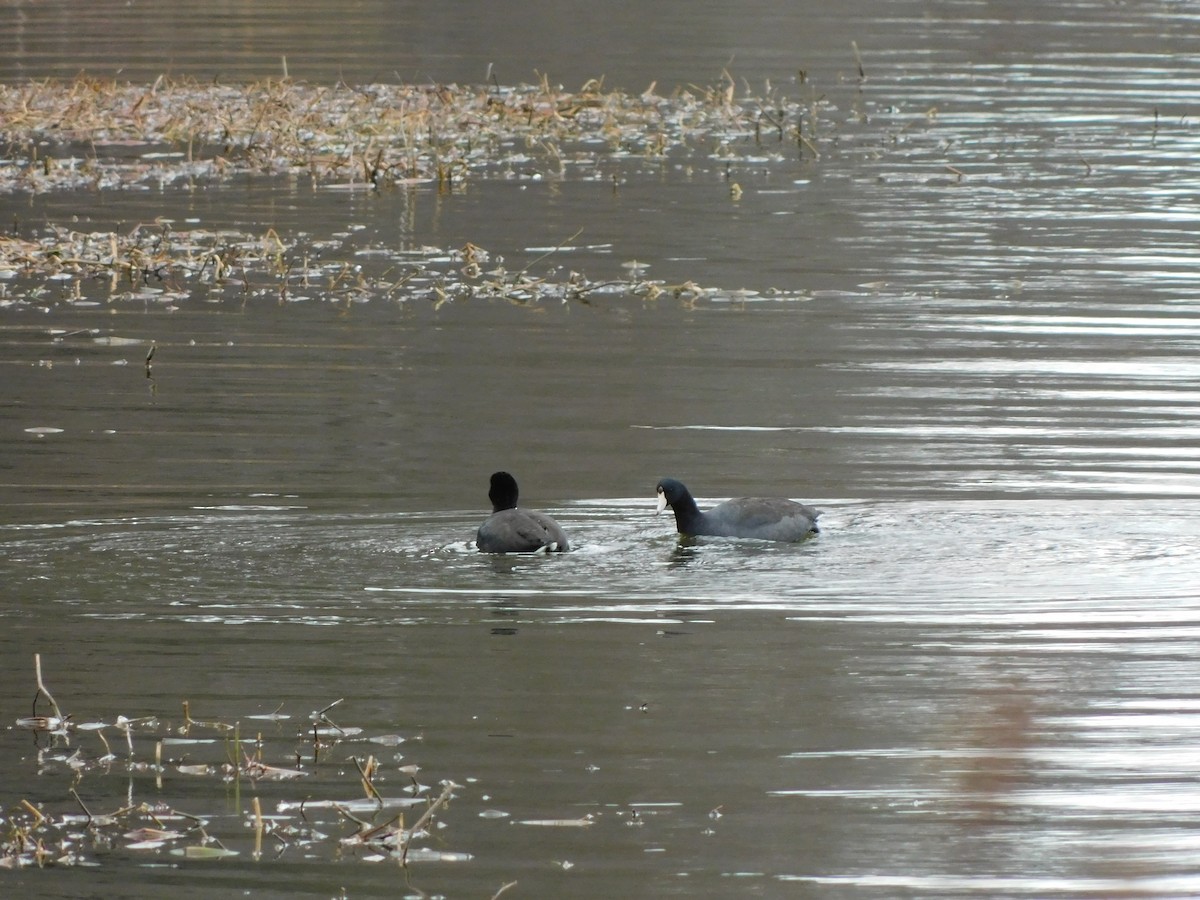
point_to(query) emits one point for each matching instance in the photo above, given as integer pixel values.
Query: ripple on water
(1086, 572)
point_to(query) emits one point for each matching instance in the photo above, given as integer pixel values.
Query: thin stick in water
(420, 823)
(37, 666)
(862, 75)
(550, 252)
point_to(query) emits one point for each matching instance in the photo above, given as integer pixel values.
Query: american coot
(512, 530)
(768, 518)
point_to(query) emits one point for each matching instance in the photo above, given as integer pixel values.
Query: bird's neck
(686, 512)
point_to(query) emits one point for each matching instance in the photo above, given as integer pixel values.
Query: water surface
(965, 327)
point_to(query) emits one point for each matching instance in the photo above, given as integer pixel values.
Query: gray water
(967, 330)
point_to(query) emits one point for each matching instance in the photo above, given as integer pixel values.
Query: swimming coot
(512, 530)
(767, 518)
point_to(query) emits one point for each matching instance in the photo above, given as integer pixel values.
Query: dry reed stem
(425, 817)
(258, 828)
(41, 685)
(58, 133)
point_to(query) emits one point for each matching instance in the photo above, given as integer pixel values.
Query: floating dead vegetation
(91, 134)
(264, 804)
(160, 266)
(254, 769)
(94, 134)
